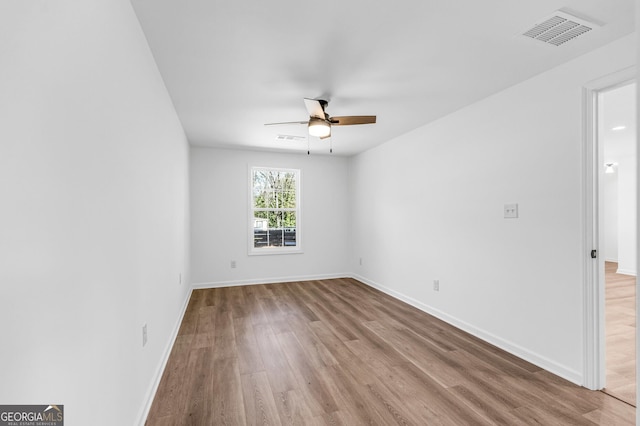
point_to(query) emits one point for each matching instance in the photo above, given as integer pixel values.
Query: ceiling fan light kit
(319, 128)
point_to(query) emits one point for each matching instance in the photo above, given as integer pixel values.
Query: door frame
(594, 376)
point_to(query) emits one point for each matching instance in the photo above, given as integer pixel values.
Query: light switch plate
(511, 211)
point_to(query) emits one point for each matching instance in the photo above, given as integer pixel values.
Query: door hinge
(594, 254)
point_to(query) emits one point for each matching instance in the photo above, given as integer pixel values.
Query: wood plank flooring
(620, 314)
(337, 352)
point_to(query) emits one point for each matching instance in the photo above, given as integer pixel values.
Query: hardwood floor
(620, 314)
(336, 352)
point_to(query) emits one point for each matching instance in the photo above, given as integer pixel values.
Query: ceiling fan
(320, 122)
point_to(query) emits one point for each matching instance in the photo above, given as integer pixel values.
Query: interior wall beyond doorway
(618, 136)
(610, 186)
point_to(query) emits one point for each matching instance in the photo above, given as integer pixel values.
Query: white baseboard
(536, 359)
(255, 281)
(626, 272)
(153, 387)
(606, 259)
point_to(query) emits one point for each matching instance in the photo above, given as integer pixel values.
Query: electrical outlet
(144, 335)
(436, 285)
(511, 211)
(233, 264)
(360, 261)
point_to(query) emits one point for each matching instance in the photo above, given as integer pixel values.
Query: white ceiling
(231, 66)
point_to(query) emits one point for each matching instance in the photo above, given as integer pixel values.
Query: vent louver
(290, 138)
(560, 28)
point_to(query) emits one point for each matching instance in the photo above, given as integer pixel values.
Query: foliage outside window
(275, 211)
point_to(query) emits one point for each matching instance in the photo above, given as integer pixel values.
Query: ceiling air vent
(290, 138)
(560, 28)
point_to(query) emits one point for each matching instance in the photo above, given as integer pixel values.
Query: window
(275, 211)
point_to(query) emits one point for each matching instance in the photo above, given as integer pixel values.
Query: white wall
(94, 217)
(219, 215)
(627, 189)
(429, 205)
(610, 189)
(618, 106)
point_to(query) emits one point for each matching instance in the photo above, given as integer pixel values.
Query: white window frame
(298, 211)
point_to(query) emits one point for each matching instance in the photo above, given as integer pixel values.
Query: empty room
(334, 213)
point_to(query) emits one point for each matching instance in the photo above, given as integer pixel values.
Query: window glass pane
(276, 219)
(290, 237)
(260, 229)
(260, 219)
(275, 237)
(289, 229)
(259, 188)
(271, 199)
(289, 219)
(272, 179)
(288, 199)
(274, 208)
(289, 191)
(275, 229)
(275, 178)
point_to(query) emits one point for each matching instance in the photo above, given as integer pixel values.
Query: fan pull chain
(308, 146)
(331, 145)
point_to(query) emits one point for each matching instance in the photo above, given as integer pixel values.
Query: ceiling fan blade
(314, 107)
(286, 122)
(348, 120)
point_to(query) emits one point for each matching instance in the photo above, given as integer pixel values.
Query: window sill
(275, 251)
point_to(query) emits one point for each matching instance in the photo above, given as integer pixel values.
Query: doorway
(617, 141)
(603, 122)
